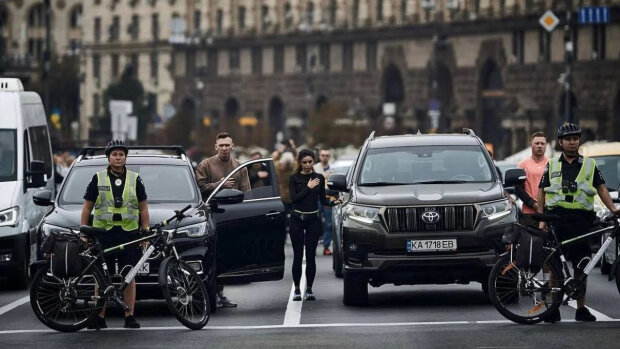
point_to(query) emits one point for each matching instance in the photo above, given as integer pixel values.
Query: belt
(306, 213)
(302, 215)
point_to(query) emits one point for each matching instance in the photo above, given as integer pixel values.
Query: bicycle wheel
(61, 306)
(185, 294)
(522, 296)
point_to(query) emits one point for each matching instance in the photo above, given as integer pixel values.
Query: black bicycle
(527, 296)
(68, 303)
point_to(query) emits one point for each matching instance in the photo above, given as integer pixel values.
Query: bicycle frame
(593, 261)
(134, 271)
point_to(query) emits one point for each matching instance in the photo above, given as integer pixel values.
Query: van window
(40, 145)
(8, 155)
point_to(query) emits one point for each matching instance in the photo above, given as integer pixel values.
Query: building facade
(23, 34)
(257, 68)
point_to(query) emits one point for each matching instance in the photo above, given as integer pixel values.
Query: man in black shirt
(567, 189)
(118, 198)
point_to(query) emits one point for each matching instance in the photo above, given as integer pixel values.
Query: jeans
(327, 225)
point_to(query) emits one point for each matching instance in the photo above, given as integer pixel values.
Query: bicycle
(528, 296)
(68, 304)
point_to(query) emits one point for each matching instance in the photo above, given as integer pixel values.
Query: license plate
(431, 245)
(144, 269)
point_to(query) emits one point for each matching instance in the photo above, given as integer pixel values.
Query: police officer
(118, 197)
(567, 189)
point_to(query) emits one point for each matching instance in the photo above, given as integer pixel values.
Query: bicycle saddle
(90, 231)
(545, 217)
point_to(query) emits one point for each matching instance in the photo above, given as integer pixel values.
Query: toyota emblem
(430, 217)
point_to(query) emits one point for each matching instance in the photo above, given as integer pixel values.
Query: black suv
(234, 236)
(419, 209)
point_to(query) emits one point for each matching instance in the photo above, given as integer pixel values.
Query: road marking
(599, 316)
(14, 304)
(292, 317)
(271, 327)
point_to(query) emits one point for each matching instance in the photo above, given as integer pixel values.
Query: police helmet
(116, 144)
(568, 129)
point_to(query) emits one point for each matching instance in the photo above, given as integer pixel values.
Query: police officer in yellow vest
(567, 189)
(118, 198)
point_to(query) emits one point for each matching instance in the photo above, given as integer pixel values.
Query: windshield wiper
(380, 184)
(440, 182)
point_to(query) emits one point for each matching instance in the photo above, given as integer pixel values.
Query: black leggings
(312, 226)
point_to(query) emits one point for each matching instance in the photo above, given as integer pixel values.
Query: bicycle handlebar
(178, 215)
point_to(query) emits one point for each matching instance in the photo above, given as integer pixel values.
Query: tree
(64, 79)
(331, 126)
(128, 88)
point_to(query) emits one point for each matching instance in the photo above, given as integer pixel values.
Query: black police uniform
(116, 235)
(577, 222)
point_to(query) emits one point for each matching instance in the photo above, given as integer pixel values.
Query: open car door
(251, 234)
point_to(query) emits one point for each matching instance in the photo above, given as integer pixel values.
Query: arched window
(75, 17)
(36, 16)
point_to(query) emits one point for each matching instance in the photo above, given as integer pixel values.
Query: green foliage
(128, 88)
(64, 90)
(331, 126)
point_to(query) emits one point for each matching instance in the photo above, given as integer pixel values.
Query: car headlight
(496, 210)
(47, 229)
(194, 230)
(8, 218)
(363, 214)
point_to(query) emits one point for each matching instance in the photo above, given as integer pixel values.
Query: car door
(251, 234)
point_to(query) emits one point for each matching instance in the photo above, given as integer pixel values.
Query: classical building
(23, 34)
(484, 64)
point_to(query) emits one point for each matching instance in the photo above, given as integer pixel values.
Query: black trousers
(305, 232)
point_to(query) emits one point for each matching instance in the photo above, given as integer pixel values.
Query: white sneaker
(297, 297)
(309, 296)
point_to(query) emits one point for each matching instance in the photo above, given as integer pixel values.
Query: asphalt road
(434, 316)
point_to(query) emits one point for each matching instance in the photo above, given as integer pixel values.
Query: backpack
(65, 255)
(529, 248)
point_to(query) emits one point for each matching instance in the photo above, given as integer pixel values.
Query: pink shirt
(534, 172)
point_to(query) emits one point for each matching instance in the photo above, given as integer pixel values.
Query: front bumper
(12, 252)
(372, 253)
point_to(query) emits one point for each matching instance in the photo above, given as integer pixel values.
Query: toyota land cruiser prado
(420, 209)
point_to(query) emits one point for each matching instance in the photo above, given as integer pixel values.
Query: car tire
(337, 261)
(355, 291)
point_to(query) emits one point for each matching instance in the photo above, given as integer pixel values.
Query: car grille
(409, 219)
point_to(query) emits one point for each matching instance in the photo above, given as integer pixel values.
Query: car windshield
(610, 169)
(163, 183)
(8, 163)
(425, 165)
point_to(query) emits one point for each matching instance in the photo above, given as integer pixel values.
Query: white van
(25, 168)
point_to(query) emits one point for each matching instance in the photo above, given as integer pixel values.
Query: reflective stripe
(104, 206)
(583, 197)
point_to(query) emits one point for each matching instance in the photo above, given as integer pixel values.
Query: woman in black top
(306, 188)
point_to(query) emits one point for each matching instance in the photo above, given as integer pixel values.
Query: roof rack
(469, 131)
(90, 151)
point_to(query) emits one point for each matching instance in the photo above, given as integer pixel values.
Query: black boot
(583, 314)
(130, 322)
(97, 323)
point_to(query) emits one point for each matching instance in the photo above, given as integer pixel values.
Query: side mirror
(228, 197)
(514, 176)
(337, 182)
(43, 198)
(35, 178)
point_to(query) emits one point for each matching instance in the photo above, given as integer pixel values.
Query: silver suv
(420, 209)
